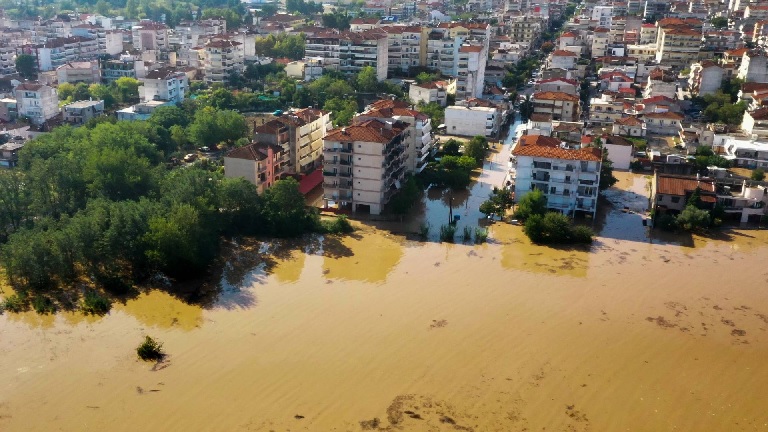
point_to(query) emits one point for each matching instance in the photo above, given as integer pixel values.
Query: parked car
(190, 157)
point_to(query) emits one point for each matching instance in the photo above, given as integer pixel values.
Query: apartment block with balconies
(568, 177)
(222, 57)
(364, 165)
(300, 133)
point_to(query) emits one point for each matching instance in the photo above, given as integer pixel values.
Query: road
(496, 168)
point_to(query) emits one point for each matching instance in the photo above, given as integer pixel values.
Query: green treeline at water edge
(100, 204)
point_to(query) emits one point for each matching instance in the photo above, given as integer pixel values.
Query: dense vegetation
(150, 350)
(98, 205)
(544, 227)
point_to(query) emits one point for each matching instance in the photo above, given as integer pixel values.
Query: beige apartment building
(300, 133)
(561, 105)
(364, 165)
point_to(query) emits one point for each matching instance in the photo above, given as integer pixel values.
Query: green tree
(693, 219)
(435, 111)
(497, 204)
(102, 92)
(553, 228)
(758, 174)
(366, 80)
(342, 110)
(476, 149)
(26, 66)
(285, 210)
(211, 127)
(719, 22)
(606, 172)
(452, 147)
(169, 116)
(530, 204)
(127, 89)
(15, 200)
(425, 77)
(405, 198)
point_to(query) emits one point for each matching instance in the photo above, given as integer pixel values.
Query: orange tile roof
(470, 48)
(665, 115)
(367, 131)
(583, 154)
(564, 53)
(554, 95)
(629, 121)
(538, 140)
(679, 185)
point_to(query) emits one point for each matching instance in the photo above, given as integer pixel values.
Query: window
(552, 190)
(675, 200)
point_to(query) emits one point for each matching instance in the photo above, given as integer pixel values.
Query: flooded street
(376, 332)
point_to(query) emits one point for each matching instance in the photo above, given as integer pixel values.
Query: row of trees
(545, 227)
(123, 91)
(97, 203)
(281, 46)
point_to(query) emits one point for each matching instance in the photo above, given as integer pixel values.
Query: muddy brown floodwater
(375, 332)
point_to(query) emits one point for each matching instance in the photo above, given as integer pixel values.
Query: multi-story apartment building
(58, 51)
(602, 16)
(473, 117)
(80, 112)
(112, 70)
(221, 58)
(460, 50)
(600, 39)
(525, 29)
(436, 91)
(7, 59)
(561, 105)
(678, 41)
(406, 47)
(705, 78)
(655, 9)
(300, 134)
(37, 102)
(648, 34)
(470, 70)
(364, 164)
(350, 52)
(754, 67)
(87, 72)
(661, 82)
(420, 145)
(110, 41)
(164, 84)
(755, 123)
(569, 178)
(149, 35)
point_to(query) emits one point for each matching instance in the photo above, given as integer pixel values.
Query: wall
(620, 155)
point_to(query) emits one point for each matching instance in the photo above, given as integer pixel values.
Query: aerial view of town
(383, 215)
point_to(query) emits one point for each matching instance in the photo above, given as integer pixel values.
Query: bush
(339, 225)
(532, 203)
(95, 304)
(150, 350)
(15, 303)
(466, 234)
(693, 219)
(43, 305)
(481, 235)
(447, 233)
(758, 175)
(667, 222)
(555, 228)
(424, 230)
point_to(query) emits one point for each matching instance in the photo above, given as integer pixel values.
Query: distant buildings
(37, 102)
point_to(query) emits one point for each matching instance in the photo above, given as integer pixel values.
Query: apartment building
(420, 145)
(561, 105)
(470, 118)
(754, 67)
(7, 59)
(37, 102)
(221, 58)
(678, 41)
(525, 29)
(664, 123)
(602, 16)
(661, 82)
(364, 165)
(148, 35)
(460, 50)
(261, 164)
(599, 41)
(58, 51)
(568, 177)
(470, 70)
(648, 34)
(562, 59)
(350, 52)
(109, 41)
(80, 112)
(605, 110)
(406, 47)
(164, 84)
(755, 123)
(705, 78)
(112, 70)
(300, 134)
(557, 85)
(75, 72)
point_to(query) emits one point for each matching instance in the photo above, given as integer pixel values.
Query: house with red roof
(664, 123)
(564, 85)
(567, 176)
(629, 126)
(260, 163)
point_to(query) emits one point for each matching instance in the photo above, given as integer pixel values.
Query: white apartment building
(754, 67)
(7, 59)
(755, 123)
(602, 16)
(472, 121)
(420, 145)
(460, 50)
(56, 52)
(470, 70)
(350, 52)
(406, 47)
(364, 165)
(221, 58)
(164, 84)
(599, 41)
(109, 41)
(36, 101)
(569, 178)
(705, 78)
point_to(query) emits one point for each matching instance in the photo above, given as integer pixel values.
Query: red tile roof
(367, 131)
(665, 115)
(560, 96)
(584, 154)
(470, 48)
(629, 121)
(563, 53)
(678, 185)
